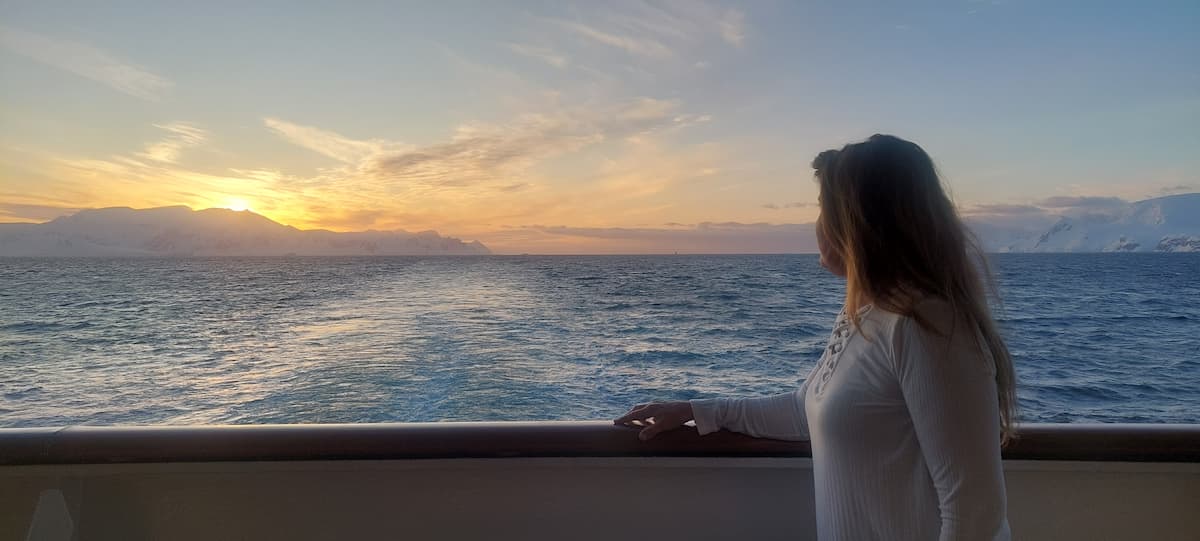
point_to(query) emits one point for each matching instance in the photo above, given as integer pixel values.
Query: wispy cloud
(1178, 189)
(545, 54)
(793, 205)
(681, 21)
(21, 212)
(333, 145)
(482, 153)
(1005, 208)
(86, 61)
(1051, 208)
(1047, 207)
(182, 135)
(486, 153)
(1039, 211)
(640, 46)
(658, 30)
(1072, 201)
(733, 27)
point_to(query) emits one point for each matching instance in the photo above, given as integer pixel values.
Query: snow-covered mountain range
(181, 231)
(1162, 224)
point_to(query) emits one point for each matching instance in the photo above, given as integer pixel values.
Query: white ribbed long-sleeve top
(904, 426)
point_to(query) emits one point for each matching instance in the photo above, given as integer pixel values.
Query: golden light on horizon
(238, 204)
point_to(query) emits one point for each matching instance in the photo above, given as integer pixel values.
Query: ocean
(1096, 337)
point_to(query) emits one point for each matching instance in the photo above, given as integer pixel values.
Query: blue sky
(589, 126)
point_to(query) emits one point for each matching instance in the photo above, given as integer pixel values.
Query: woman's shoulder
(928, 314)
(934, 330)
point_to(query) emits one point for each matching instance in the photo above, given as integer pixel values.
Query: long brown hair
(886, 216)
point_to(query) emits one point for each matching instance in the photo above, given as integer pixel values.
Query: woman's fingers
(634, 416)
(660, 425)
(656, 418)
(640, 412)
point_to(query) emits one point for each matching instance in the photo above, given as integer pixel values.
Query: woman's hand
(657, 417)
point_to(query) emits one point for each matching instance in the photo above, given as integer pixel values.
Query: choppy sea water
(1096, 337)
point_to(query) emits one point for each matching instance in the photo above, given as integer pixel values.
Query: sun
(237, 204)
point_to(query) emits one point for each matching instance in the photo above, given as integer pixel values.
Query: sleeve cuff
(705, 413)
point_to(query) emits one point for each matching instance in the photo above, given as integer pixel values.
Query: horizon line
(531, 254)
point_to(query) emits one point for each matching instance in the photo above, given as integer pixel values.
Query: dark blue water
(1097, 338)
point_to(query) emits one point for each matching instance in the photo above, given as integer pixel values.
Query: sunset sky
(555, 127)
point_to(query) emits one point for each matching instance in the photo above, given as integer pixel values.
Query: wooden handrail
(114, 445)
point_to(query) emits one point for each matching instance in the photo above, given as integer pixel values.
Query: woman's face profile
(830, 259)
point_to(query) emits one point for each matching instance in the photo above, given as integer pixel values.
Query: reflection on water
(1097, 337)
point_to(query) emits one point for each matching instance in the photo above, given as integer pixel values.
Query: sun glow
(237, 204)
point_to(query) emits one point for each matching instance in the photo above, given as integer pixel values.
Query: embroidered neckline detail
(843, 329)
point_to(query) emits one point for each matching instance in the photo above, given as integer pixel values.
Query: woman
(909, 404)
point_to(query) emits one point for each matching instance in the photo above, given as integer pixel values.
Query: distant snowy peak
(181, 231)
(1164, 224)
(1189, 243)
